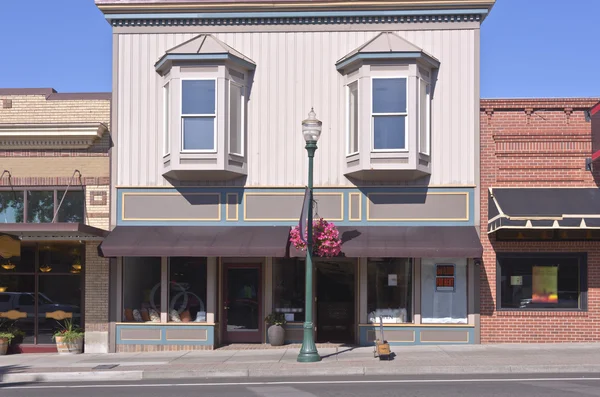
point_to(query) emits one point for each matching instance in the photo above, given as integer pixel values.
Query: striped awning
(543, 208)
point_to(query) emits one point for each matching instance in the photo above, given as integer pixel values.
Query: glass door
(242, 311)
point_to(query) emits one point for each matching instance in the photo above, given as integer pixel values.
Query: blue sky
(529, 48)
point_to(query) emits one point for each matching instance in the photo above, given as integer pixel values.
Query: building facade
(540, 211)
(209, 169)
(54, 211)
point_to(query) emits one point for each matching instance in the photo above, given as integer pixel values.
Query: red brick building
(540, 226)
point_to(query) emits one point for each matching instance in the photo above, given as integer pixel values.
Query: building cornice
(153, 6)
(50, 136)
(296, 18)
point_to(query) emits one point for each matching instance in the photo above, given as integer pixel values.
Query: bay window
(207, 82)
(388, 109)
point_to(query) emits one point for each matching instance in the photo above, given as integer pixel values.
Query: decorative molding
(48, 136)
(205, 20)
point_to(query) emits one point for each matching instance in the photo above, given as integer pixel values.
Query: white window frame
(405, 114)
(242, 120)
(349, 151)
(166, 119)
(427, 150)
(182, 116)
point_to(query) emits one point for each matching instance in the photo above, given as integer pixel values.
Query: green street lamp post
(311, 130)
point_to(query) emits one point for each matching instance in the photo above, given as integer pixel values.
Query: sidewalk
(409, 360)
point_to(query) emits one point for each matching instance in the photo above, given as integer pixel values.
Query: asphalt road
(571, 385)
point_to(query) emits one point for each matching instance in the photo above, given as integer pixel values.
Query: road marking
(316, 382)
(279, 391)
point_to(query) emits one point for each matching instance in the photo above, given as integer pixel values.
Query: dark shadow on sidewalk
(12, 369)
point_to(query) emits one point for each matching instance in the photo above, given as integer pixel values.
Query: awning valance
(543, 208)
(53, 231)
(235, 241)
(409, 242)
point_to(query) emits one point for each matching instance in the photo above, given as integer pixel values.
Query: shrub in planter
(276, 332)
(69, 338)
(5, 339)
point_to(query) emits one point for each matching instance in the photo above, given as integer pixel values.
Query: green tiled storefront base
(398, 335)
(139, 337)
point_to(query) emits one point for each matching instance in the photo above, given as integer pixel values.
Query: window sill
(540, 313)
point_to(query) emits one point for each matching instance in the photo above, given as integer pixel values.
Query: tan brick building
(54, 200)
(540, 206)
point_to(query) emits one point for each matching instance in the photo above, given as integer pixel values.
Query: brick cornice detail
(55, 181)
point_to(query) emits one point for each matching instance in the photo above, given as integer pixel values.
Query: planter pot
(276, 335)
(72, 347)
(3, 346)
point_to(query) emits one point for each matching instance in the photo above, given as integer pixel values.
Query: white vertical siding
(296, 70)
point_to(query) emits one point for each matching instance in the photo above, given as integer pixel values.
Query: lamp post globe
(311, 127)
(311, 131)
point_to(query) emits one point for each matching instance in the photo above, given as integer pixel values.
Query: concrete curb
(308, 371)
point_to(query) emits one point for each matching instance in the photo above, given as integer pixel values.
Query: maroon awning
(408, 242)
(234, 241)
(53, 231)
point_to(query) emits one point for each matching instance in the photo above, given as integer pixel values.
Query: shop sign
(9, 247)
(516, 280)
(392, 280)
(445, 277)
(544, 284)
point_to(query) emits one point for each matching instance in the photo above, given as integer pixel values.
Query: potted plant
(69, 338)
(276, 332)
(5, 339)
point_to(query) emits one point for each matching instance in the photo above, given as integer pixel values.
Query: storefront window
(444, 291)
(187, 289)
(57, 292)
(542, 281)
(40, 206)
(45, 286)
(11, 206)
(288, 288)
(71, 209)
(389, 290)
(141, 289)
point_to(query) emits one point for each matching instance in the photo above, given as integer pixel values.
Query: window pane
(23, 264)
(353, 118)
(40, 206)
(389, 95)
(424, 118)
(389, 290)
(198, 97)
(187, 289)
(18, 294)
(141, 289)
(235, 120)
(389, 132)
(167, 119)
(11, 207)
(440, 303)
(540, 283)
(61, 258)
(57, 293)
(72, 207)
(288, 288)
(199, 133)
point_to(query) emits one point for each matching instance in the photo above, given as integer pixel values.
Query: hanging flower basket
(326, 239)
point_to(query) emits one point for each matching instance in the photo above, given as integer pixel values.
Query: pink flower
(326, 239)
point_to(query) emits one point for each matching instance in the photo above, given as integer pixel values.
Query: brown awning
(196, 241)
(411, 241)
(53, 231)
